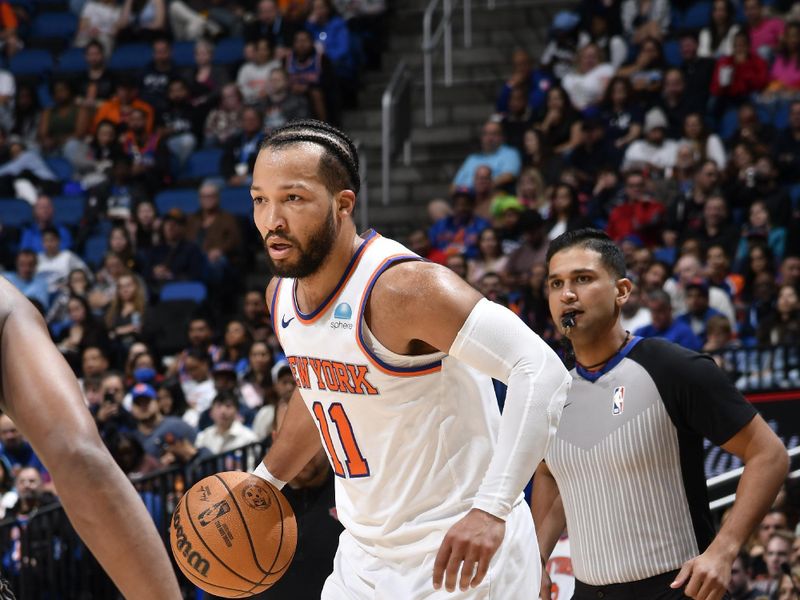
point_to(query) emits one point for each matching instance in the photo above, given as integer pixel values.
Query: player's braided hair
(338, 165)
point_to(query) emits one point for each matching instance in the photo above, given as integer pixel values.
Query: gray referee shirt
(628, 459)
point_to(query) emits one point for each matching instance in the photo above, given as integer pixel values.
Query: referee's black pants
(652, 588)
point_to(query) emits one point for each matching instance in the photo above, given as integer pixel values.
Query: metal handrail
(431, 39)
(734, 475)
(395, 123)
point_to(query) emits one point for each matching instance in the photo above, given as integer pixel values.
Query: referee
(625, 471)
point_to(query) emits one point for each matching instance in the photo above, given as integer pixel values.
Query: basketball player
(41, 395)
(386, 350)
(626, 465)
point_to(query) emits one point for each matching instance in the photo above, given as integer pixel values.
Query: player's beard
(312, 255)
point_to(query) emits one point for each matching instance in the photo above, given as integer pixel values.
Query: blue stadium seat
(236, 200)
(15, 212)
(697, 16)
(95, 249)
(729, 123)
(61, 167)
(183, 290)
(202, 164)
(68, 210)
(62, 25)
(229, 51)
(794, 193)
(44, 95)
(72, 61)
(31, 61)
(672, 53)
(780, 118)
(130, 57)
(183, 54)
(185, 199)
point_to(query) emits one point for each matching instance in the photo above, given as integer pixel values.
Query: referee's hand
(705, 577)
(473, 542)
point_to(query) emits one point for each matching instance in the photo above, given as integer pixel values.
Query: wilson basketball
(233, 534)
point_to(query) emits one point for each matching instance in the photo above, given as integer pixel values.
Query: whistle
(568, 321)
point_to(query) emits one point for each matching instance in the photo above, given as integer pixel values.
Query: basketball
(233, 534)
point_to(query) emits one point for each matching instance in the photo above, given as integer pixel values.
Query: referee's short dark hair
(591, 239)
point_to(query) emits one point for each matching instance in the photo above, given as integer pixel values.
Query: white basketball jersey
(408, 437)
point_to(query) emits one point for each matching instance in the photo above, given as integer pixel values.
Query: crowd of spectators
(682, 143)
(114, 140)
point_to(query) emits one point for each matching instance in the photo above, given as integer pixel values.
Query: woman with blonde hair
(125, 314)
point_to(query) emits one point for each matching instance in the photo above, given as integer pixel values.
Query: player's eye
(258, 200)
(555, 284)
(292, 197)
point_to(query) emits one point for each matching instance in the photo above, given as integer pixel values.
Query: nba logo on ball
(618, 401)
(341, 315)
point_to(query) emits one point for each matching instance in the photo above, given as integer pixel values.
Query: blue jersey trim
(615, 360)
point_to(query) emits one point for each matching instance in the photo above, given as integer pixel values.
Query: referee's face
(580, 286)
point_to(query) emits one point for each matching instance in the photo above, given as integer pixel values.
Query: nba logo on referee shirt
(618, 400)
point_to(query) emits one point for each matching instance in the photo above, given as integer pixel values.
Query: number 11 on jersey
(356, 464)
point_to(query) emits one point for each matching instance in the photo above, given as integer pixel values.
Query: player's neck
(312, 290)
(598, 350)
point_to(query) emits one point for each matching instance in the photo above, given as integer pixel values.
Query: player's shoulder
(417, 280)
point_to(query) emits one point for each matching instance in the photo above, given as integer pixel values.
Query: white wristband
(262, 471)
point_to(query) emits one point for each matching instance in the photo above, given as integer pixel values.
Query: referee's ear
(624, 287)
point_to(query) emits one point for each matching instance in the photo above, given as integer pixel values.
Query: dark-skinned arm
(42, 397)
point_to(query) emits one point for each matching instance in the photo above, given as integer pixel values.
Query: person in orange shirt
(8, 29)
(119, 108)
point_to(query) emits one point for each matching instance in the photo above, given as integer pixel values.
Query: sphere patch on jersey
(343, 311)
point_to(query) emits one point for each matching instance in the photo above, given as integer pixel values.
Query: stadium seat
(95, 249)
(183, 54)
(794, 193)
(72, 61)
(183, 290)
(202, 164)
(68, 210)
(31, 61)
(62, 25)
(672, 53)
(184, 199)
(697, 16)
(236, 200)
(130, 57)
(61, 167)
(229, 51)
(15, 212)
(729, 123)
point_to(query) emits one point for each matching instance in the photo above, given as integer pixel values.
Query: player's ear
(345, 203)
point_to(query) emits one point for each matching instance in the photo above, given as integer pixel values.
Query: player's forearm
(114, 524)
(548, 512)
(761, 480)
(296, 442)
(497, 342)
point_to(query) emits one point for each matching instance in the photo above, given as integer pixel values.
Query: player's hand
(473, 542)
(705, 577)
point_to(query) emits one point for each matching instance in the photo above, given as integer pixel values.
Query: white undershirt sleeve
(495, 341)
